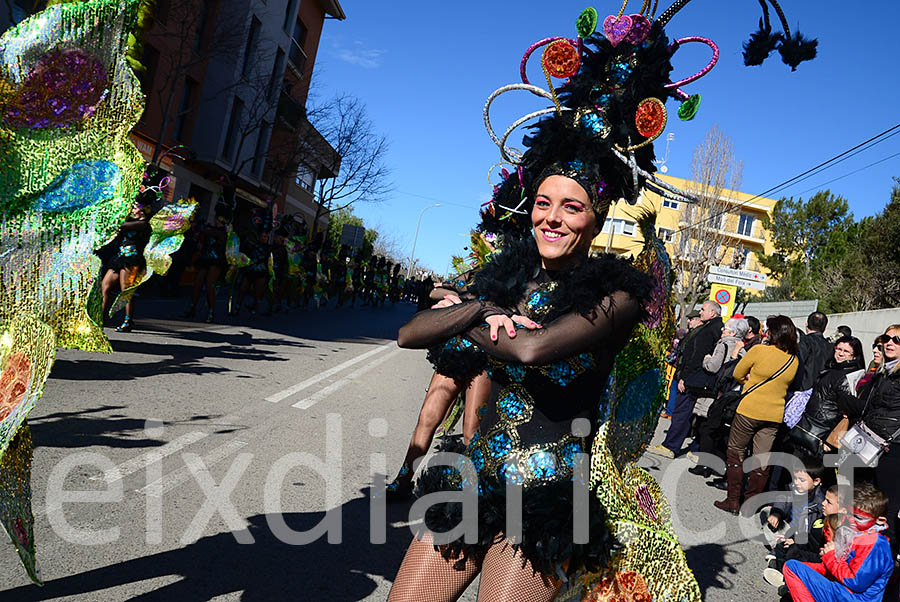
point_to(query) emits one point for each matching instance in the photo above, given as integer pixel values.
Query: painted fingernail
(493, 337)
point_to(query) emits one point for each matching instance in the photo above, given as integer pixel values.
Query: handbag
(862, 441)
(834, 437)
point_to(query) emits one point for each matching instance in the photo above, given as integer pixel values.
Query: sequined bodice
(526, 432)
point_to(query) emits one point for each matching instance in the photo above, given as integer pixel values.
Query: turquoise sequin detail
(594, 123)
(619, 73)
(568, 453)
(536, 300)
(477, 458)
(516, 372)
(511, 406)
(561, 373)
(499, 444)
(637, 399)
(510, 473)
(542, 464)
(82, 185)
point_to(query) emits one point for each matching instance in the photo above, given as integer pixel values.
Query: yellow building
(743, 237)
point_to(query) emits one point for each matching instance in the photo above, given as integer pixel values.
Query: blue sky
(424, 70)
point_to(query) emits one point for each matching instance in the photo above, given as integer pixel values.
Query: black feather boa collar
(504, 279)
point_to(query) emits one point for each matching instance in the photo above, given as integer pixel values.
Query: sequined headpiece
(609, 109)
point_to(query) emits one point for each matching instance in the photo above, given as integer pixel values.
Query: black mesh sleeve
(609, 324)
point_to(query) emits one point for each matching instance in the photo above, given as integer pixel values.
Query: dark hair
(814, 468)
(817, 321)
(782, 334)
(855, 345)
(845, 331)
(754, 324)
(842, 492)
(881, 339)
(869, 498)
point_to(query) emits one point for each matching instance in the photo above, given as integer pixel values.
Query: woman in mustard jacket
(766, 372)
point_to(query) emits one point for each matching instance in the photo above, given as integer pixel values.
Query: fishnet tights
(425, 576)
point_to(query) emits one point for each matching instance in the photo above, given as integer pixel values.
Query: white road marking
(177, 477)
(322, 376)
(308, 402)
(143, 461)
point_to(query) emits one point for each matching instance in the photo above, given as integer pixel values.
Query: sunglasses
(895, 339)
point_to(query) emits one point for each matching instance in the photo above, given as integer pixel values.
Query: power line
(864, 167)
(791, 180)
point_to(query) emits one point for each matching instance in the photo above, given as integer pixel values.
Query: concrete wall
(866, 325)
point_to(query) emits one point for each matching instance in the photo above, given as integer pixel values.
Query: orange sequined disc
(561, 59)
(14, 383)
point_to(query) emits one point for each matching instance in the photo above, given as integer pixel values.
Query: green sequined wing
(167, 228)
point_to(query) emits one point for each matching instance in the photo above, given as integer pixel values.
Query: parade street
(230, 406)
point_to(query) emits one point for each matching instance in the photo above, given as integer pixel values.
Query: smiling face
(891, 349)
(564, 222)
(843, 352)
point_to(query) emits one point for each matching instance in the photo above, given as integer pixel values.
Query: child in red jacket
(856, 571)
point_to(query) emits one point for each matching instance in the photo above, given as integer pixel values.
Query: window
(234, 125)
(187, 94)
(289, 14)
(250, 48)
(298, 42)
(669, 204)
(277, 71)
(666, 235)
(745, 225)
(306, 177)
(260, 151)
(619, 226)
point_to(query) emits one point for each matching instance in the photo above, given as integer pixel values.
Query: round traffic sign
(723, 297)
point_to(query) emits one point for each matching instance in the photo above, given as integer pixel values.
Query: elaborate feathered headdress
(610, 108)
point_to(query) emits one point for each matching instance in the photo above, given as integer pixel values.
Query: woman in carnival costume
(575, 343)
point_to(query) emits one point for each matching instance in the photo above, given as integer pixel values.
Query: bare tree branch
(700, 242)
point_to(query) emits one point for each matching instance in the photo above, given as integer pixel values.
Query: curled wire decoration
(671, 11)
(501, 164)
(577, 43)
(653, 178)
(712, 63)
(510, 154)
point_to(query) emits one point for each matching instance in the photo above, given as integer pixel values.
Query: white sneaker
(770, 557)
(773, 577)
(692, 457)
(661, 450)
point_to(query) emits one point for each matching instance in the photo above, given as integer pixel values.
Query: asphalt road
(202, 438)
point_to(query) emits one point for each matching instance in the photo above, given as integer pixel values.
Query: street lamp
(416, 239)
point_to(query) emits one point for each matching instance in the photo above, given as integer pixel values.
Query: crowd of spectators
(745, 389)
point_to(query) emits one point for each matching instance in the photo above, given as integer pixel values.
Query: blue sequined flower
(595, 124)
(568, 453)
(586, 360)
(516, 372)
(542, 464)
(511, 406)
(82, 185)
(477, 457)
(561, 373)
(499, 445)
(637, 400)
(510, 473)
(536, 300)
(619, 73)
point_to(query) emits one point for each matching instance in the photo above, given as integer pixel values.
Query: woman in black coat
(823, 411)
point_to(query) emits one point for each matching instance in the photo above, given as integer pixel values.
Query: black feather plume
(796, 49)
(761, 44)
